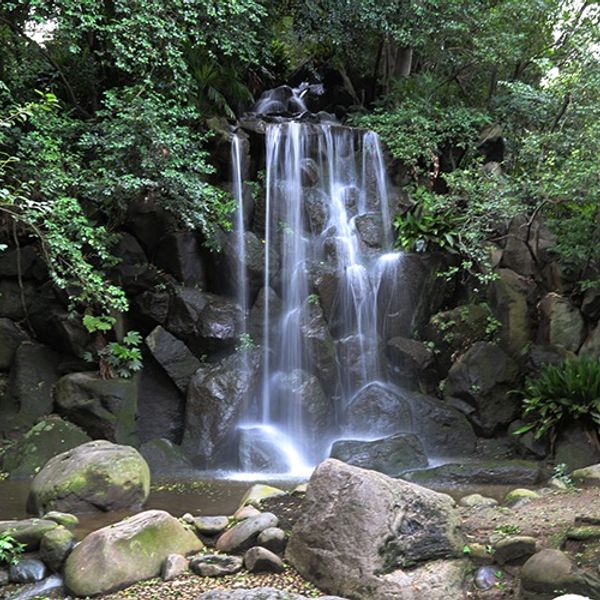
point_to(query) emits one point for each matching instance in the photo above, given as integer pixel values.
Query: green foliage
(102, 323)
(122, 359)
(561, 473)
(10, 549)
(245, 343)
(145, 147)
(506, 530)
(570, 391)
(417, 130)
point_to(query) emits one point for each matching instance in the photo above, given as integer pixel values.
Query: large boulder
(44, 440)
(550, 570)
(215, 401)
(160, 404)
(117, 556)
(318, 343)
(509, 295)
(29, 393)
(391, 455)
(164, 457)
(173, 356)
(492, 472)
(11, 336)
(561, 323)
(410, 362)
(11, 298)
(103, 408)
(97, 476)
(366, 536)
(180, 254)
(378, 409)
(591, 345)
(479, 385)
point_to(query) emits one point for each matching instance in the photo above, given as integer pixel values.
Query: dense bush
(561, 393)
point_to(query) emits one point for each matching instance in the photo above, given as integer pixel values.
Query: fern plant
(570, 391)
(10, 549)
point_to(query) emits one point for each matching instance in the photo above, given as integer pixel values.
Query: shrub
(570, 391)
(10, 549)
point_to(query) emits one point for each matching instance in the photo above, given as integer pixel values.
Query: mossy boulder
(55, 546)
(259, 492)
(131, 550)
(520, 496)
(27, 531)
(96, 476)
(588, 476)
(46, 439)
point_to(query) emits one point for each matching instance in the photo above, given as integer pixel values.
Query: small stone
(477, 501)
(216, 565)
(210, 525)
(243, 535)
(485, 578)
(588, 476)
(28, 571)
(558, 484)
(174, 565)
(300, 489)
(55, 546)
(245, 512)
(273, 539)
(519, 496)
(514, 548)
(261, 560)
(259, 492)
(65, 519)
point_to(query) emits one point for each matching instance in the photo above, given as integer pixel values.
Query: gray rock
(216, 398)
(4, 578)
(408, 360)
(479, 385)
(164, 457)
(477, 501)
(574, 448)
(509, 295)
(244, 535)
(94, 476)
(153, 305)
(587, 476)
(316, 208)
(210, 525)
(514, 549)
(499, 472)
(259, 451)
(354, 351)
(180, 255)
(29, 570)
(46, 439)
(591, 345)
(11, 305)
(28, 531)
(378, 408)
(550, 570)
(50, 587)
(173, 356)
(273, 539)
(360, 531)
(160, 404)
(319, 345)
(561, 324)
(261, 560)
(216, 565)
(246, 512)
(55, 546)
(370, 230)
(11, 337)
(174, 566)
(103, 408)
(115, 557)
(65, 519)
(392, 455)
(29, 393)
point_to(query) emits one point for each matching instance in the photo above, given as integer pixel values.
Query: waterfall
(326, 211)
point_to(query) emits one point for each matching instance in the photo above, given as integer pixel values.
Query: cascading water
(327, 216)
